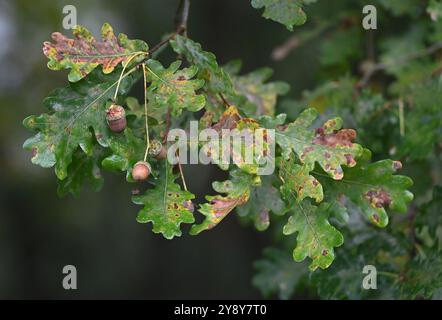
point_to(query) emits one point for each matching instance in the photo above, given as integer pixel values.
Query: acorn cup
(116, 118)
(141, 171)
(157, 150)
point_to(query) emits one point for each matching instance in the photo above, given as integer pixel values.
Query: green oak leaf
(127, 149)
(73, 112)
(329, 146)
(263, 96)
(278, 273)
(270, 122)
(167, 206)
(83, 169)
(372, 187)
(316, 237)
(135, 114)
(287, 12)
(173, 88)
(296, 178)
(237, 191)
(84, 53)
(263, 200)
(216, 79)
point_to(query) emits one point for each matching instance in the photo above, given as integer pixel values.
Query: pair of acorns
(142, 169)
(116, 120)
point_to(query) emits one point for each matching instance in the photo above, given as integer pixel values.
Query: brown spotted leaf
(263, 200)
(167, 206)
(237, 191)
(174, 88)
(260, 95)
(296, 178)
(316, 238)
(228, 120)
(372, 187)
(240, 141)
(84, 53)
(329, 146)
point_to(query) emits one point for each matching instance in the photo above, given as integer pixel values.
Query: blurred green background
(116, 257)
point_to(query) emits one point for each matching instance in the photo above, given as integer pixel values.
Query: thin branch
(182, 16)
(401, 117)
(292, 43)
(226, 103)
(181, 19)
(224, 100)
(162, 43)
(382, 66)
(145, 114)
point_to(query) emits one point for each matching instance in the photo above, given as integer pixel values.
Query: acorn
(157, 150)
(141, 171)
(116, 118)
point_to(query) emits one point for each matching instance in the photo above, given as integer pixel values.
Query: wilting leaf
(174, 88)
(286, 12)
(297, 179)
(372, 187)
(73, 112)
(228, 120)
(237, 191)
(329, 146)
(216, 79)
(316, 237)
(84, 53)
(166, 205)
(263, 200)
(252, 86)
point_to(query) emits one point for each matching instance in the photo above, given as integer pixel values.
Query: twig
(182, 16)
(181, 19)
(382, 66)
(282, 51)
(401, 118)
(145, 113)
(162, 43)
(224, 100)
